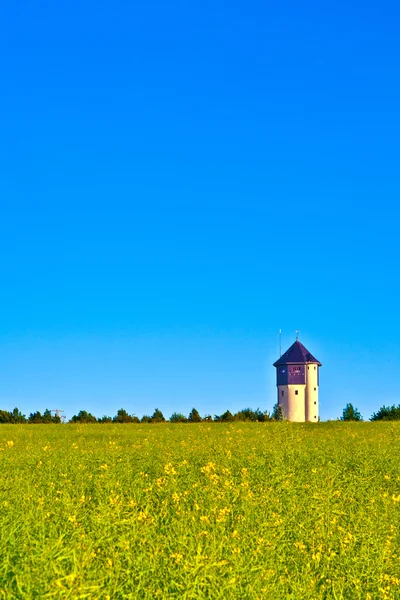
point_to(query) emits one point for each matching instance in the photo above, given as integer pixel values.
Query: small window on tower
(315, 389)
(315, 403)
(282, 393)
(296, 370)
(315, 368)
(296, 392)
(315, 416)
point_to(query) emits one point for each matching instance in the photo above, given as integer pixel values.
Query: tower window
(315, 368)
(315, 416)
(315, 389)
(315, 403)
(296, 369)
(308, 368)
(296, 392)
(282, 393)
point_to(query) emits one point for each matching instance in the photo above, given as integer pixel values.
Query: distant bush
(44, 418)
(226, 417)
(157, 417)
(248, 414)
(123, 417)
(277, 413)
(35, 417)
(83, 417)
(12, 417)
(194, 416)
(178, 418)
(351, 414)
(387, 413)
(105, 419)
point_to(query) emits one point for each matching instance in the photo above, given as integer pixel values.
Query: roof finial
(297, 334)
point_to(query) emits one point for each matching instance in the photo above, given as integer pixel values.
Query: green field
(243, 510)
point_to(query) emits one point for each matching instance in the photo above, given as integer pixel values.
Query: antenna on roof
(280, 342)
(297, 334)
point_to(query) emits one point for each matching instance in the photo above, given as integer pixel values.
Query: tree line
(385, 413)
(122, 416)
(350, 413)
(16, 416)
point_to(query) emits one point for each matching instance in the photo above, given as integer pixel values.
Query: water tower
(297, 380)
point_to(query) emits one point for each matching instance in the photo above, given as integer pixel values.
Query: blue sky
(179, 181)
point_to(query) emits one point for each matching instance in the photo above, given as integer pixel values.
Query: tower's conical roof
(297, 354)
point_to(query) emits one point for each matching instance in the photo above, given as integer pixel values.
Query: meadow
(241, 510)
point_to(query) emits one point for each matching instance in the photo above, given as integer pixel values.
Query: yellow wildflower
(169, 469)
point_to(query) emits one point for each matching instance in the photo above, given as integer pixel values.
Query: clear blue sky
(179, 180)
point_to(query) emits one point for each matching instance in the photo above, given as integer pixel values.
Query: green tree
(350, 413)
(194, 416)
(83, 417)
(387, 413)
(47, 418)
(262, 416)
(248, 414)
(226, 417)
(56, 419)
(277, 412)
(157, 417)
(145, 419)
(17, 416)
(35, 417)
(123, 417)
(104, 419)
(5, 416)
(177, 418)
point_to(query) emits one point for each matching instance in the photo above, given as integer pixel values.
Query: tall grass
(245, 510)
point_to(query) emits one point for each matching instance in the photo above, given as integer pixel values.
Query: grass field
(245, 510)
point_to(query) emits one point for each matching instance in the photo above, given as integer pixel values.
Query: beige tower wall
(311, 396)
(293, 405)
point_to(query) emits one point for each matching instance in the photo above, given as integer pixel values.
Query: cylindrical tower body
(297, 382)
(291, 398)
(311, 396)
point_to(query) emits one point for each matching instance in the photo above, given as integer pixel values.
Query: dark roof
(297, 354)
